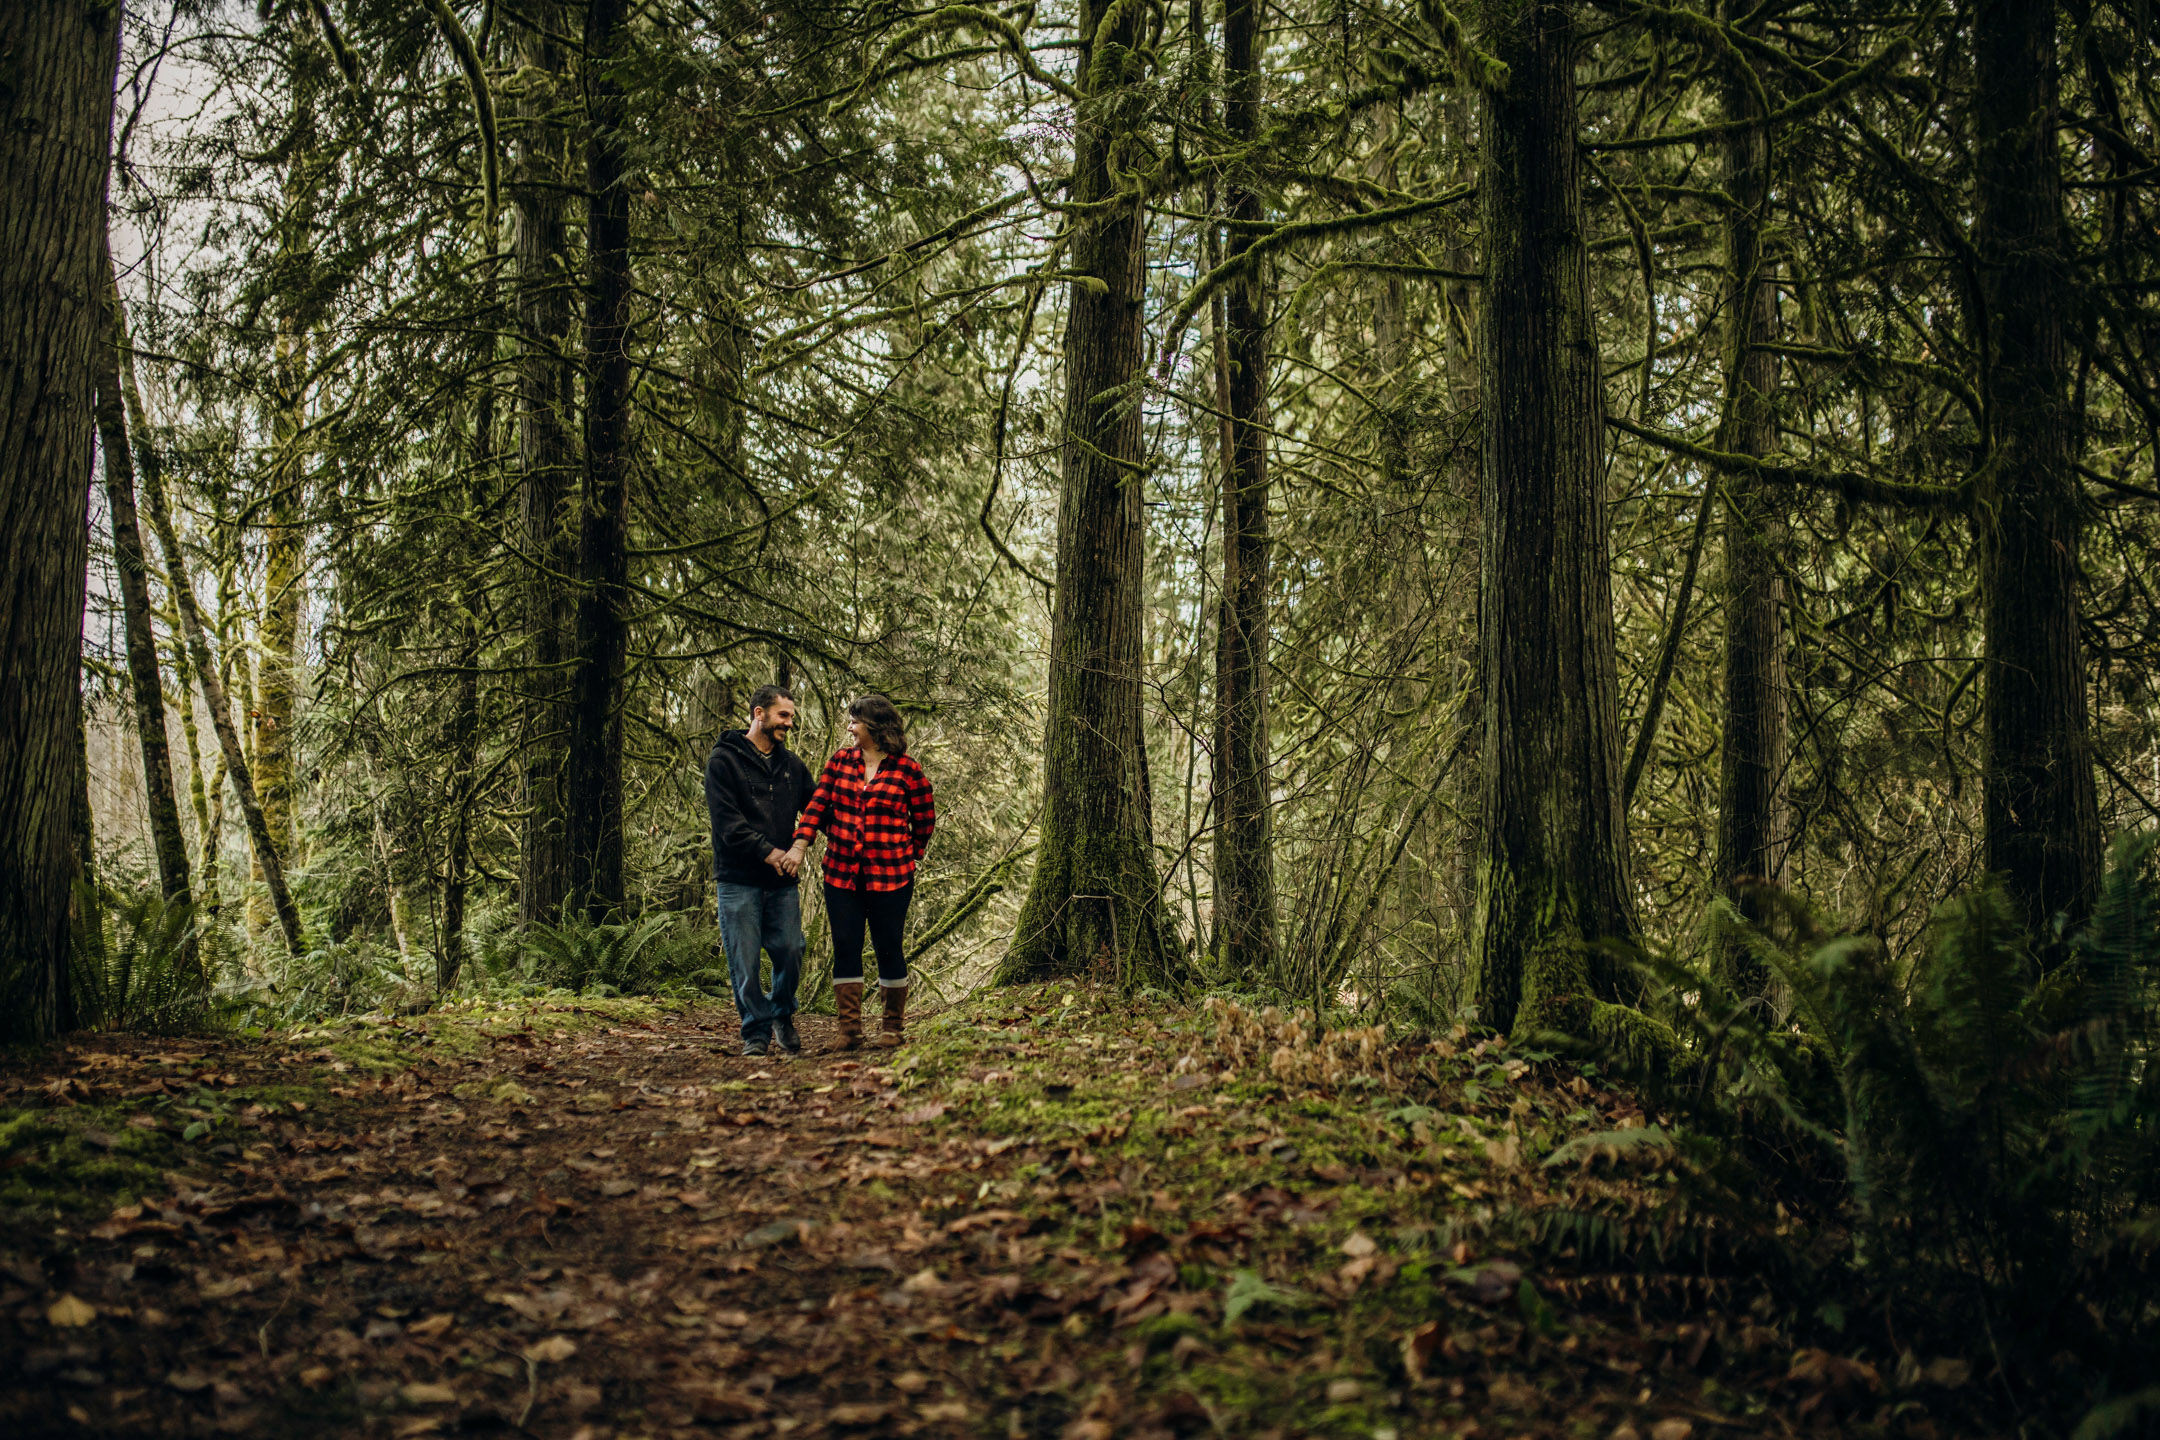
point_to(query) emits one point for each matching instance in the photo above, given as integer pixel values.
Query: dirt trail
(1044, 1217)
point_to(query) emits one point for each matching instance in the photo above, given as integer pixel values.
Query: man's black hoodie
(753, 799)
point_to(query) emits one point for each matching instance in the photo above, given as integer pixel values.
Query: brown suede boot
(847, 998)
(893, 1031)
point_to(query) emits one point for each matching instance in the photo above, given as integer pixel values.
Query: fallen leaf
(426, 1392)
(947, 1410)
(1673, 1429)
(855, 1416)
(911, 1382)
(552, 1350)
(69, 1312)
(1342, 1392)
(431, 1327)
(315, 1377)
(1359, 1245)
(188, 1382)
(922, 1114)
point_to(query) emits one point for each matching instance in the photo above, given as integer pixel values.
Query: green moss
(1646, 1043)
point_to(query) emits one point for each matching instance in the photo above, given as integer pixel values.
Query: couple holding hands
(874, 805)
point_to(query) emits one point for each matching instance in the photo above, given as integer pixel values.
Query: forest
(1617, 528)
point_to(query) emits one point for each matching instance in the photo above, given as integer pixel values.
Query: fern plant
(149, 974)
(1978, 1133)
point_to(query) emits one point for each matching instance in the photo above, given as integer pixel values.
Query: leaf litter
(1220, 1223)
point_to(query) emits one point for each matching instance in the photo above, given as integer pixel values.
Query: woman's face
(859, 734)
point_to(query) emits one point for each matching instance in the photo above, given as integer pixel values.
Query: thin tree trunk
(1553, 876)
(1095, 900)
(593, 789)
(198, 789)
(2042, 816)
(1753, 831)
(1244, 851)
(149, 468)
(61, 57)
(546, 472)
(167, 840)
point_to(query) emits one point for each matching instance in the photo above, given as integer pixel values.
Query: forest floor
(1047, 1216)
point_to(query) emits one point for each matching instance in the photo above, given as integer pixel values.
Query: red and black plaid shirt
(874, 833)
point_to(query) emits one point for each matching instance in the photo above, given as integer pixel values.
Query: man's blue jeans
(753, 918)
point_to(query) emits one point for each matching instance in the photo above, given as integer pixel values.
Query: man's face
(775, 719)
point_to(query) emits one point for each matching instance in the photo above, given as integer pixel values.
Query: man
(754, 789)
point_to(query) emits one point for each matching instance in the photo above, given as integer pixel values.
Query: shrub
(1973, 1141)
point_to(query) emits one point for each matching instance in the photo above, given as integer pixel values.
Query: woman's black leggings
(884, 914)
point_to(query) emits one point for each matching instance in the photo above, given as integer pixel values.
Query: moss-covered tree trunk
(149, 470)
(461, 735)
(1096, 901)
(592, 789)
(284, 515)
(546, 467)
(146, 684)
(1553, 872)
(1754, 828)
(57, 108)
(2041, 813)
(1244, 848)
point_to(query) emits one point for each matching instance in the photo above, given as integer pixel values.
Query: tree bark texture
(285, 538)
(593, 772)
(1754, 827)
(2042, 821)
(1244, 919)
(462, 734)
(149, 469)
(55, 129)
(1553, 875)
(547, 472)
(1096, 901)
(167, 840)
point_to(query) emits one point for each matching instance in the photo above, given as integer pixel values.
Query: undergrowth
(1965, 1150)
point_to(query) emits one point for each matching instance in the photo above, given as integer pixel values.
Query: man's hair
(883, 718)
(765, 696)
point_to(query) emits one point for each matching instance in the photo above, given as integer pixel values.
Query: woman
(875, 806)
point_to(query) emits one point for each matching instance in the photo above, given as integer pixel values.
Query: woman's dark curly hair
(887, 730)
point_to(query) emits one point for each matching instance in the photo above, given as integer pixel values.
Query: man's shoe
(755, 1049)
(784, 1032)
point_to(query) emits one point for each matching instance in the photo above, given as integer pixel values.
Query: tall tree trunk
(463, 732)
(2041, 813)
(1096, 900)
(57, 109)
(285, 542)
(1553, 875)
(546, 472)
(593, 788)
(167, 840)
(1753, 832)
(149, 468)
(1244, 849)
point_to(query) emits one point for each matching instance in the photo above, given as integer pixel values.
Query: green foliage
(639, 957)
(1993, 1122)
(151, 972)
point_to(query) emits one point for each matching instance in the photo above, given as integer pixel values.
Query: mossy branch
(1850, 483)
(1475, 67)
(483, 102)
(1281, 239)
(954, 17)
